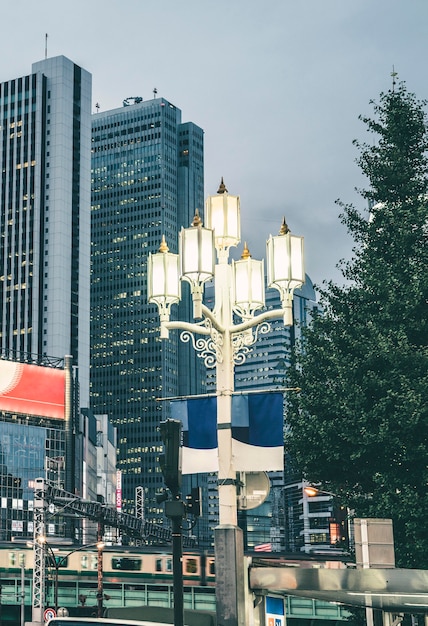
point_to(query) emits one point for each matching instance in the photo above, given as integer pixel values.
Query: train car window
(12, 559)
(191, 566)
(94, 561)
(61, 561)
(158, 565)
(126, 563)
(211, 566)
(84, 561)
(169, 565)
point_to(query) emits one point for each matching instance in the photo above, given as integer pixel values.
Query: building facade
(45, 215)
(45, 152)
(44, 435)
(147, 181)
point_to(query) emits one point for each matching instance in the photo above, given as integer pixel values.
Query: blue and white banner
(200, 448)
(257, 433)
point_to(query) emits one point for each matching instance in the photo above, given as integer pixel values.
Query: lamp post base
(230, 575)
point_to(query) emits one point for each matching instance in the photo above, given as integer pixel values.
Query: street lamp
(239, 292)
(339, 524)
(57, 562)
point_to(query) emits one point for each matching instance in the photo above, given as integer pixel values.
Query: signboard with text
(275, 611)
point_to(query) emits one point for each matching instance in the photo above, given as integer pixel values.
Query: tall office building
(45, 215)
(147, 181)
(45, 144)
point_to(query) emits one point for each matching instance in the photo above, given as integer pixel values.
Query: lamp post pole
(239, 290)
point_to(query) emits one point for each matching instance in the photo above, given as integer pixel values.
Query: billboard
(32, 389)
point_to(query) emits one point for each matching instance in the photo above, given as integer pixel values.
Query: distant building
(147, 181)
(40, 430)
(45, 215)
(45, 132)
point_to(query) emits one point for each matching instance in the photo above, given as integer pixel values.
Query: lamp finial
(245, 252)
(163, 247)
(197, 219)
(222, 188)
(284, 227)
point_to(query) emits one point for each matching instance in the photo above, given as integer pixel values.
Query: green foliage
(360, 425)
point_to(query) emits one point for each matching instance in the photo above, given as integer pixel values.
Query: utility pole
(170, 463)
(175, 510)
(22, 564)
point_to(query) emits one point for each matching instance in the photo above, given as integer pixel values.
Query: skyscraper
(45, 145)
(45, 215)
(147, 181)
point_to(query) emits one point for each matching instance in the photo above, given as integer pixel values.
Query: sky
(277, 85)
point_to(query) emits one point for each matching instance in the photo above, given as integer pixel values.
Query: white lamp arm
(214, 321)
(191, 328)
(258, 319)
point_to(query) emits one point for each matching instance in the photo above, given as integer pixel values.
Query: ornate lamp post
(239, 291)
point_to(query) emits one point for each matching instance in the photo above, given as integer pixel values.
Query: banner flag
(199, 419)
(257, 432)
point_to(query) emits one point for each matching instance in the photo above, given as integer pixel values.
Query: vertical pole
(366, 564)
(56, 565)
(228, 512)
(100, 588)
(38, 598)
(228, 538)
(22, 563)
(174, 510)
(177, 565)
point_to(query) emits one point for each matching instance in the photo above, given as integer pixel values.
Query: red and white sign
(49, 614)
(32, 389)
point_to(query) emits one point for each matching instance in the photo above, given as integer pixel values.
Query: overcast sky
(277, 87)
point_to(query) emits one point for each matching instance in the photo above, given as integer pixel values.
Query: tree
(360, 425)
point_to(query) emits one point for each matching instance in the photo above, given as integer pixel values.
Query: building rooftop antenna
(155, 92)
(46, 45)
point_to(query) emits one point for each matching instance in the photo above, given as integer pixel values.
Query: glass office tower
(147, 181)
(45, 215)
(45, 143)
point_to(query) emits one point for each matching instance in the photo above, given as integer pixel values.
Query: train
(143, 564)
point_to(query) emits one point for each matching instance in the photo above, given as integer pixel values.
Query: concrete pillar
(230, 576)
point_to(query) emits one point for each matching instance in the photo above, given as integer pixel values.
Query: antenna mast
(46, 46)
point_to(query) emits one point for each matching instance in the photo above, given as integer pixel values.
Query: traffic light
(193, 502)
(170, 460)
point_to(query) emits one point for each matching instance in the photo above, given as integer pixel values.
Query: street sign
(275, 613)
(49, 614)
